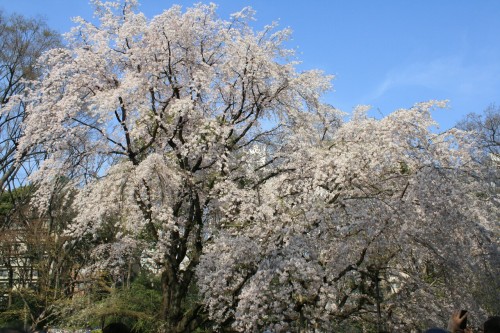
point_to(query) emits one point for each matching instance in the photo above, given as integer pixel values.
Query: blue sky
(388, 54)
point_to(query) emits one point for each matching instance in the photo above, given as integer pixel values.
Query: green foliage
(137, 306)
(25, 304)
(8, 199)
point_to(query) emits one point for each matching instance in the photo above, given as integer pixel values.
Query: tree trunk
(11, 286)
(178, 319)
(172, 300)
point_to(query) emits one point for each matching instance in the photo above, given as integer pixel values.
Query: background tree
(486, 126)
(22, 42)
(39, 269)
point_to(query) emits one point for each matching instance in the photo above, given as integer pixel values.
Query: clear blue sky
(388, 54)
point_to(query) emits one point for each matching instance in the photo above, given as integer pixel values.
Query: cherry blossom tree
(369, 221)
(146, 117)
(200, 152)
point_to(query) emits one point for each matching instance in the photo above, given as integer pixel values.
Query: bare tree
(487, 128)
(22, 41)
